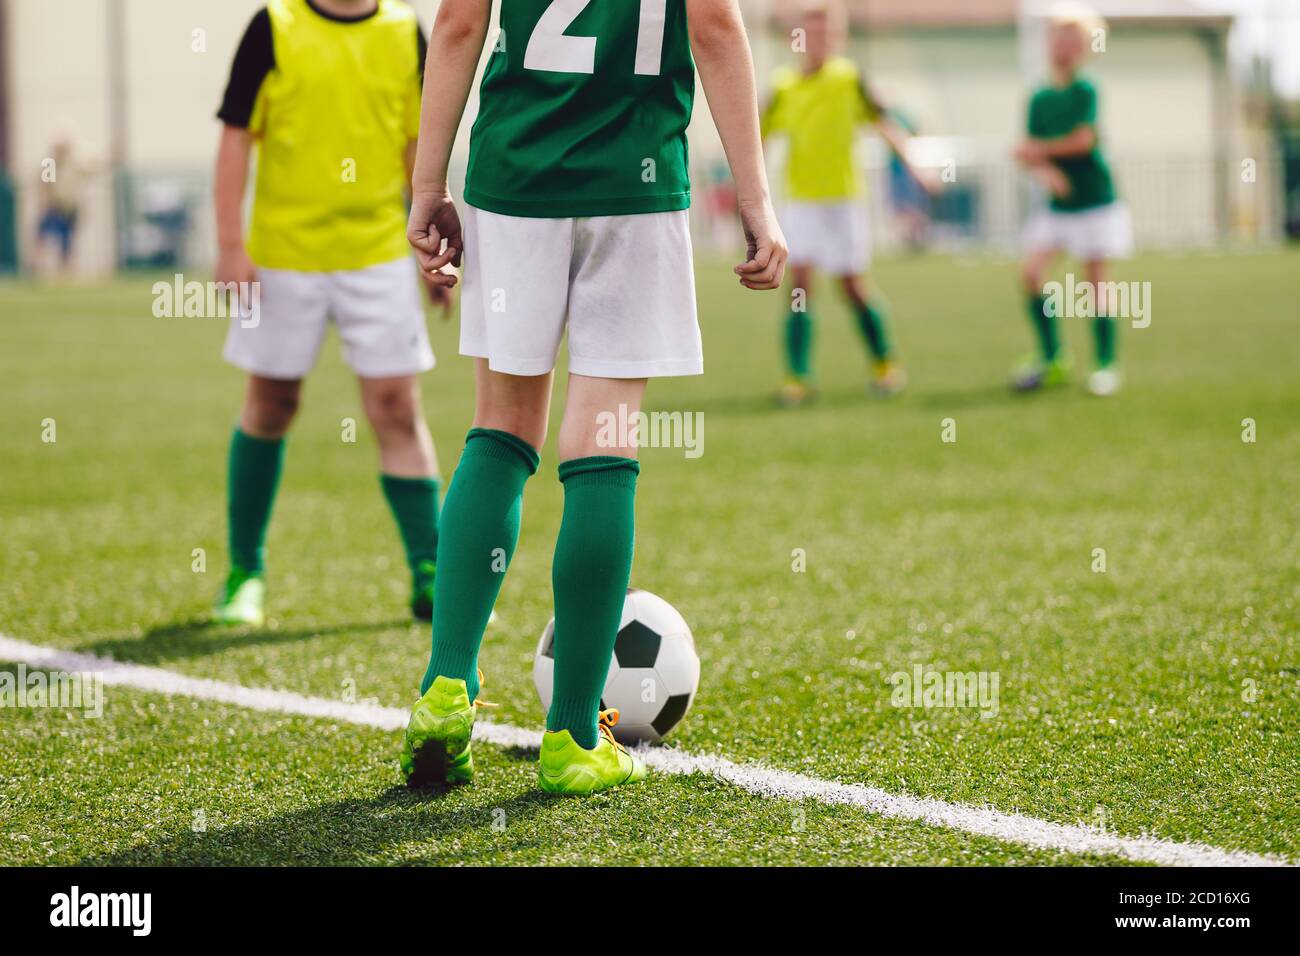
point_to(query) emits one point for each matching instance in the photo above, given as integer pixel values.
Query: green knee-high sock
(414, 503)
(253, 475)
(1104, 329)
(1049, 339)
(798, 343)
(477, 533)
(593, 561)
(875, 330)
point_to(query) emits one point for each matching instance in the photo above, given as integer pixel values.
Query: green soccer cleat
(568, 768)
(241, 599)
(436, 749)
(422, 595)
(422, 592)
(1034, 373)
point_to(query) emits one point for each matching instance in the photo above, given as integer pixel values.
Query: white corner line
(752, 777)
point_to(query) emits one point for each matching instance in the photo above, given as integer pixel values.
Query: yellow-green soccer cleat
(436, 749)
(422, 592)
(1035, 373)
(241, 599)
(888, 378)
(795, 391)
(568, 768)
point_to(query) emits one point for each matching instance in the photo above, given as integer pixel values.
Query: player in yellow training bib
(819, 105)
(328, 92)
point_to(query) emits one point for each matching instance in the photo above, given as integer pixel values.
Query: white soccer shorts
(622, 286)
(1105, 232)
(377, 312)
(832, 236)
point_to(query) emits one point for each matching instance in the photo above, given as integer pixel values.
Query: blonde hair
(1080, 16)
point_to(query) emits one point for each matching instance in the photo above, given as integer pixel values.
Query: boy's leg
(593, 562)
(871, 320)
(593, 554)
(1049, 367)
(382, 328)
(1105, 379)
(888, 376)
(256, 458)
(799, 323)
(798, 336)
(409, 476)
(632, 316)
(806, 230)
(480, 527)
(1045, 325)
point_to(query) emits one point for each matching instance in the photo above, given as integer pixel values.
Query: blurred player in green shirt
(1085, 219)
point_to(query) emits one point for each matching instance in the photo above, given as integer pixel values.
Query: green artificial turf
(1161, 696)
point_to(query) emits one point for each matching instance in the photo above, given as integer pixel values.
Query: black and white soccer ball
(654, 674)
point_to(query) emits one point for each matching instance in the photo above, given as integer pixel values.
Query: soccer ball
(653, 676)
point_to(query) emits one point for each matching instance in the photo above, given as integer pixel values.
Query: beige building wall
(58, 66)
(1165, 111)
(175, 61)
(1158, 88)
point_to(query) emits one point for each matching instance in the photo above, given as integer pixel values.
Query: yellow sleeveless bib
(332, 123)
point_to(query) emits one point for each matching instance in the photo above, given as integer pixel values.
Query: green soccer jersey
(583, 110)
(1058, 111)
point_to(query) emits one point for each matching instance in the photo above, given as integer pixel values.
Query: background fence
(136, 85)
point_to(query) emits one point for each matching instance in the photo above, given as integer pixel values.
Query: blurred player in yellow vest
(819, 105)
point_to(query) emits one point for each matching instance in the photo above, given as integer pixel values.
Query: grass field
(1160, 697)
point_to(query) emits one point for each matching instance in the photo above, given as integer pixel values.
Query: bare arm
(409, 158)
(897, 138)
(1050, 177)
(233, 264)
(726, 70)
(1079, 142)
(439, 293)
(455, 46)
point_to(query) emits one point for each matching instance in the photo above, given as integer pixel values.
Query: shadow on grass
(984, 396)
(351, 832)
(766, 403)
(199, 638)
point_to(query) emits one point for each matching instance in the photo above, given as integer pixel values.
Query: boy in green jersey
(325, 245)
(1063, 152)
(575, 220)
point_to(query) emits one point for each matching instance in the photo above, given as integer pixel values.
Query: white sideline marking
(755, 778)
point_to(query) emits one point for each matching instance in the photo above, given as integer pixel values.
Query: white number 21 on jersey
(551, 50)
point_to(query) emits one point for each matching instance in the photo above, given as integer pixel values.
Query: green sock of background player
(798, 343)
(593, 562)
(1104, 334)
(478, 531)
(253, 476)
(1049, 339)
(414, 503)
(875, 330)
